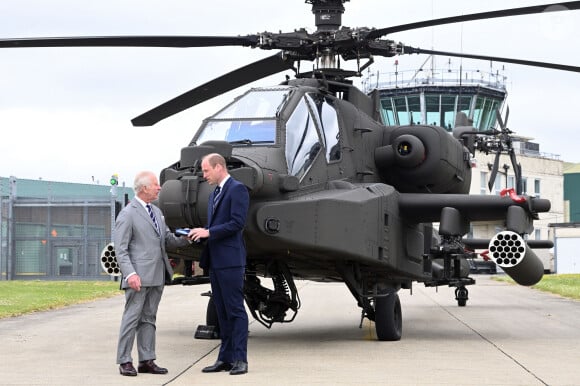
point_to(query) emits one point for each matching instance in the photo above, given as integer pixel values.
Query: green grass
(567, 285)
(21, 297)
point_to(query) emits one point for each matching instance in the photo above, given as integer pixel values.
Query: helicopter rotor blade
(232, 80)
(555, 7)
(500, 120)
(131, 41)
(517, 172)
(555, 66)
(494, 170)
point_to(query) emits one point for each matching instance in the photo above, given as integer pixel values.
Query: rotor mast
(328, 19)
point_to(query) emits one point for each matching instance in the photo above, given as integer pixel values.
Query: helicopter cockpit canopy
(311, 125)
(250, 119)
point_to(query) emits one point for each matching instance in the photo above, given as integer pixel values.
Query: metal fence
(54, 237)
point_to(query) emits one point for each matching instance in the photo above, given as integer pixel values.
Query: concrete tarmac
(506, 335)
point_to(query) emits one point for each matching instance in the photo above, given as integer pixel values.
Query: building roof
(25, 188)
(571, 168)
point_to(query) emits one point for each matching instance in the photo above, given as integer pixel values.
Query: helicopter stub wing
(427, 207)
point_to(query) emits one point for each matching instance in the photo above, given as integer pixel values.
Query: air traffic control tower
(428, 96)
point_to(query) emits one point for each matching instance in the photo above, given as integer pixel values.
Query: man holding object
(224, 255)
(140, 237)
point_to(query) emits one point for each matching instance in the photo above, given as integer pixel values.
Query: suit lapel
(143, 213)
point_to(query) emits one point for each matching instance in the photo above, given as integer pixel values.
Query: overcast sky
(65, 112)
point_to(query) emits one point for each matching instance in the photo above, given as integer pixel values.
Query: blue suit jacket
(226, 219)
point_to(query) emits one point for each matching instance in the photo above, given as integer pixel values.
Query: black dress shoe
(127, 369)
(150, 367)
(239, 367)
(217, 367)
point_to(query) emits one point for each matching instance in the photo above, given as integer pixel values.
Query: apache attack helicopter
(337, 196)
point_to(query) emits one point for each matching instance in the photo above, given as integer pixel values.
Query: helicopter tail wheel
(461, 295)
(388, 317)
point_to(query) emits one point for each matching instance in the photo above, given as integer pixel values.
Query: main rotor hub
(328, 14)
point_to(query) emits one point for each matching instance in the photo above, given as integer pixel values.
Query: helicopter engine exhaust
(510, 252)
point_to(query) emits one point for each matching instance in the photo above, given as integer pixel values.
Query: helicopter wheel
(388, 317)
(461, 295)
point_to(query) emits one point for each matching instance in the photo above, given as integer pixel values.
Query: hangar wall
(55, 230)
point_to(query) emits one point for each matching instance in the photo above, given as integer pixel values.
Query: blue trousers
(227, 287)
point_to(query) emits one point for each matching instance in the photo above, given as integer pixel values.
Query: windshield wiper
(248, 142)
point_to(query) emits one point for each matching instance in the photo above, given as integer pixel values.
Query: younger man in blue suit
(225, 257)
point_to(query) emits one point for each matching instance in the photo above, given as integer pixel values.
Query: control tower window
(484, 112)
(447, 111)
(432, 108)
(403, 110)
(414, 106)
(442, 109)
(302, 142)
(388, 112)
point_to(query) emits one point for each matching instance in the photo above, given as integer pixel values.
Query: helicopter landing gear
(461, 295)
(388, 317)
(211, 318)
(211, 330)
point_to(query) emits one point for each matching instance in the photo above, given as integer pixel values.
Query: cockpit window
(327, 120)
(251, 119)
(241, 132)
(258, 103)
(302, 142)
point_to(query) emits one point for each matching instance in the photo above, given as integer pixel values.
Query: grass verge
(567, 285)
(21, 297)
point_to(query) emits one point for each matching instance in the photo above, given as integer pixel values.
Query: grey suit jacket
(140, 248)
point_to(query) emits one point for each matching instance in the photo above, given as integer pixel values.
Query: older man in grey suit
(140, 238)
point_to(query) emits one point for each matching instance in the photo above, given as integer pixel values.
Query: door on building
(67, 260)
(567, 259)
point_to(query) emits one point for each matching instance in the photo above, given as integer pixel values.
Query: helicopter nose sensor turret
(420, 159)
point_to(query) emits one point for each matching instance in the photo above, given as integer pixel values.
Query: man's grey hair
(142, 179)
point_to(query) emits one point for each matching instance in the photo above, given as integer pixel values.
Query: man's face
(211, 174)
(151, 191)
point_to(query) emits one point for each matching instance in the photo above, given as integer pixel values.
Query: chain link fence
(55, 231)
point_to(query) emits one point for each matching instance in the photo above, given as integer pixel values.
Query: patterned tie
(152, 215)
(216, 194)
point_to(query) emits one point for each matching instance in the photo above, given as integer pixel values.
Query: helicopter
(336, 195)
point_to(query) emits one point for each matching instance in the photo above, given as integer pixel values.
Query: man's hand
(198, 233)
(134, 282)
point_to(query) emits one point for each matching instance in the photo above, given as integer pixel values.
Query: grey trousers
(138, 320)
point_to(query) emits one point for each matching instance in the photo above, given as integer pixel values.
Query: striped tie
(152, 215)
(216, 194)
